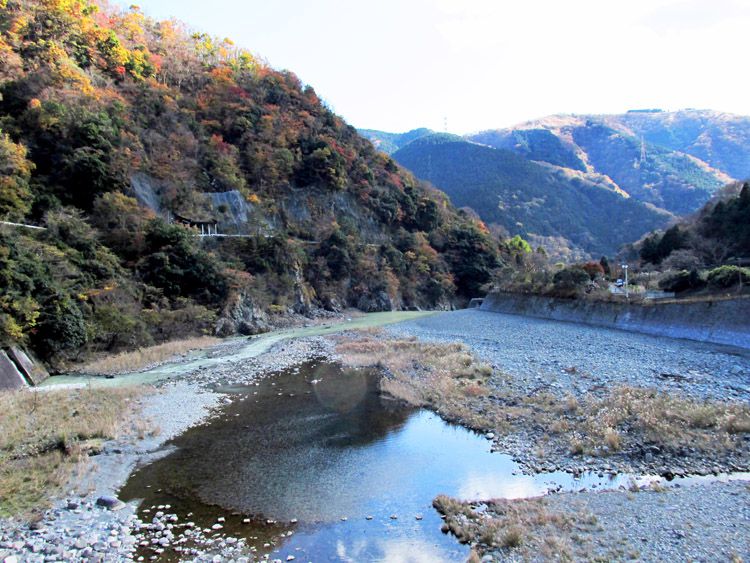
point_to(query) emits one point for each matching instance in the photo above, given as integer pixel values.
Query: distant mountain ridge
(534, 199)
(671, 163)
(626, 149)
(391, 142)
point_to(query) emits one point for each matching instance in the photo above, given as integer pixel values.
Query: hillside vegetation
(707, 252)
(112, 123)
(638, 151)
(673, 162)
(722, 140)
(530, 198)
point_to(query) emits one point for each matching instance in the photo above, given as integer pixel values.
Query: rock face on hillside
(375, 302)
(241, 315)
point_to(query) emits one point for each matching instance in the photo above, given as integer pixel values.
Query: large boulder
(241, 315)
(331, 303)
(375, 302)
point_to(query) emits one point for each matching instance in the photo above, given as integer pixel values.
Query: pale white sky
(399, 64)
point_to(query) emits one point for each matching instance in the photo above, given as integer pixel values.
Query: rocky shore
(703, 521)
(527, 356)
(85, 526)
(531, 357)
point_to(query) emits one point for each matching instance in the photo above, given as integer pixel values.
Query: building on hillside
(206, 226)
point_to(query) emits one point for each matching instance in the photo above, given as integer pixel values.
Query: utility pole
(627, 291)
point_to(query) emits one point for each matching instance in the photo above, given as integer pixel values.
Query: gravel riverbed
(708, 521)
(75, 528)
(540, 354)
(535, 354)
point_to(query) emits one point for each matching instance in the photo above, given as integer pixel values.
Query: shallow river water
(356, 472)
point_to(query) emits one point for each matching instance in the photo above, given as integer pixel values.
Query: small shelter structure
(206, 227)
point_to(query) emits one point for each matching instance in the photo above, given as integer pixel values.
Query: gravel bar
(539, 353)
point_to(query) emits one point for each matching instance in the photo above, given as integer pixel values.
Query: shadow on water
(318, 444)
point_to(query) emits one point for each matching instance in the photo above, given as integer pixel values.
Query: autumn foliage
(93, 98)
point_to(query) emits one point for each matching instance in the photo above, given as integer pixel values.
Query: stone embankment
(717, 321)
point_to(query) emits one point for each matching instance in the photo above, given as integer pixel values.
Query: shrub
(593, 269)
(728, 276)
(179, 268)
(570, 278)
(681, 281)
(61, 327)
(682, 260)
(15, 195)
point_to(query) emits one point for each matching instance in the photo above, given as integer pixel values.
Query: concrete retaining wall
(31, 368)
(720, 322)
(10, 377)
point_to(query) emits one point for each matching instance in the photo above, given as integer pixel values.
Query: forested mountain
(722, 140)
(391, 142)
(531, 198)
(716, 235)
(630, 149)
(673, 162)
(115, 128)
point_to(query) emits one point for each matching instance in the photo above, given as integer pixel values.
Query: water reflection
(319, 446)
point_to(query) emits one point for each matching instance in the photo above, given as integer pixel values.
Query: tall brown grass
(44, 437)
(445, 377)
(525, 526)
(449, 379)
(135, 360)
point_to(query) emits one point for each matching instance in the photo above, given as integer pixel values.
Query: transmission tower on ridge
(639, 161)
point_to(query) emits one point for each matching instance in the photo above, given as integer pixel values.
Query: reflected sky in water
(318, 445)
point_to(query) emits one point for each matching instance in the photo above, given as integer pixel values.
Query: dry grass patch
(126, 362)
(516, 527)
(449, 379)
(626, 418)
(661, 419)
(44, 437)
(445, 377)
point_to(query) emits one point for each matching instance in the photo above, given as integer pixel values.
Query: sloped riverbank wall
(718, 322)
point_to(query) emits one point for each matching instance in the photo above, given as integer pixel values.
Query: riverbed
(264, 451)
(315, 463)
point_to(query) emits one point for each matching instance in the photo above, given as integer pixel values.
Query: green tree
(121, 224)
(178, 267)
(15, 173)
(472, 257)
(570, 279)
(336, 250)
